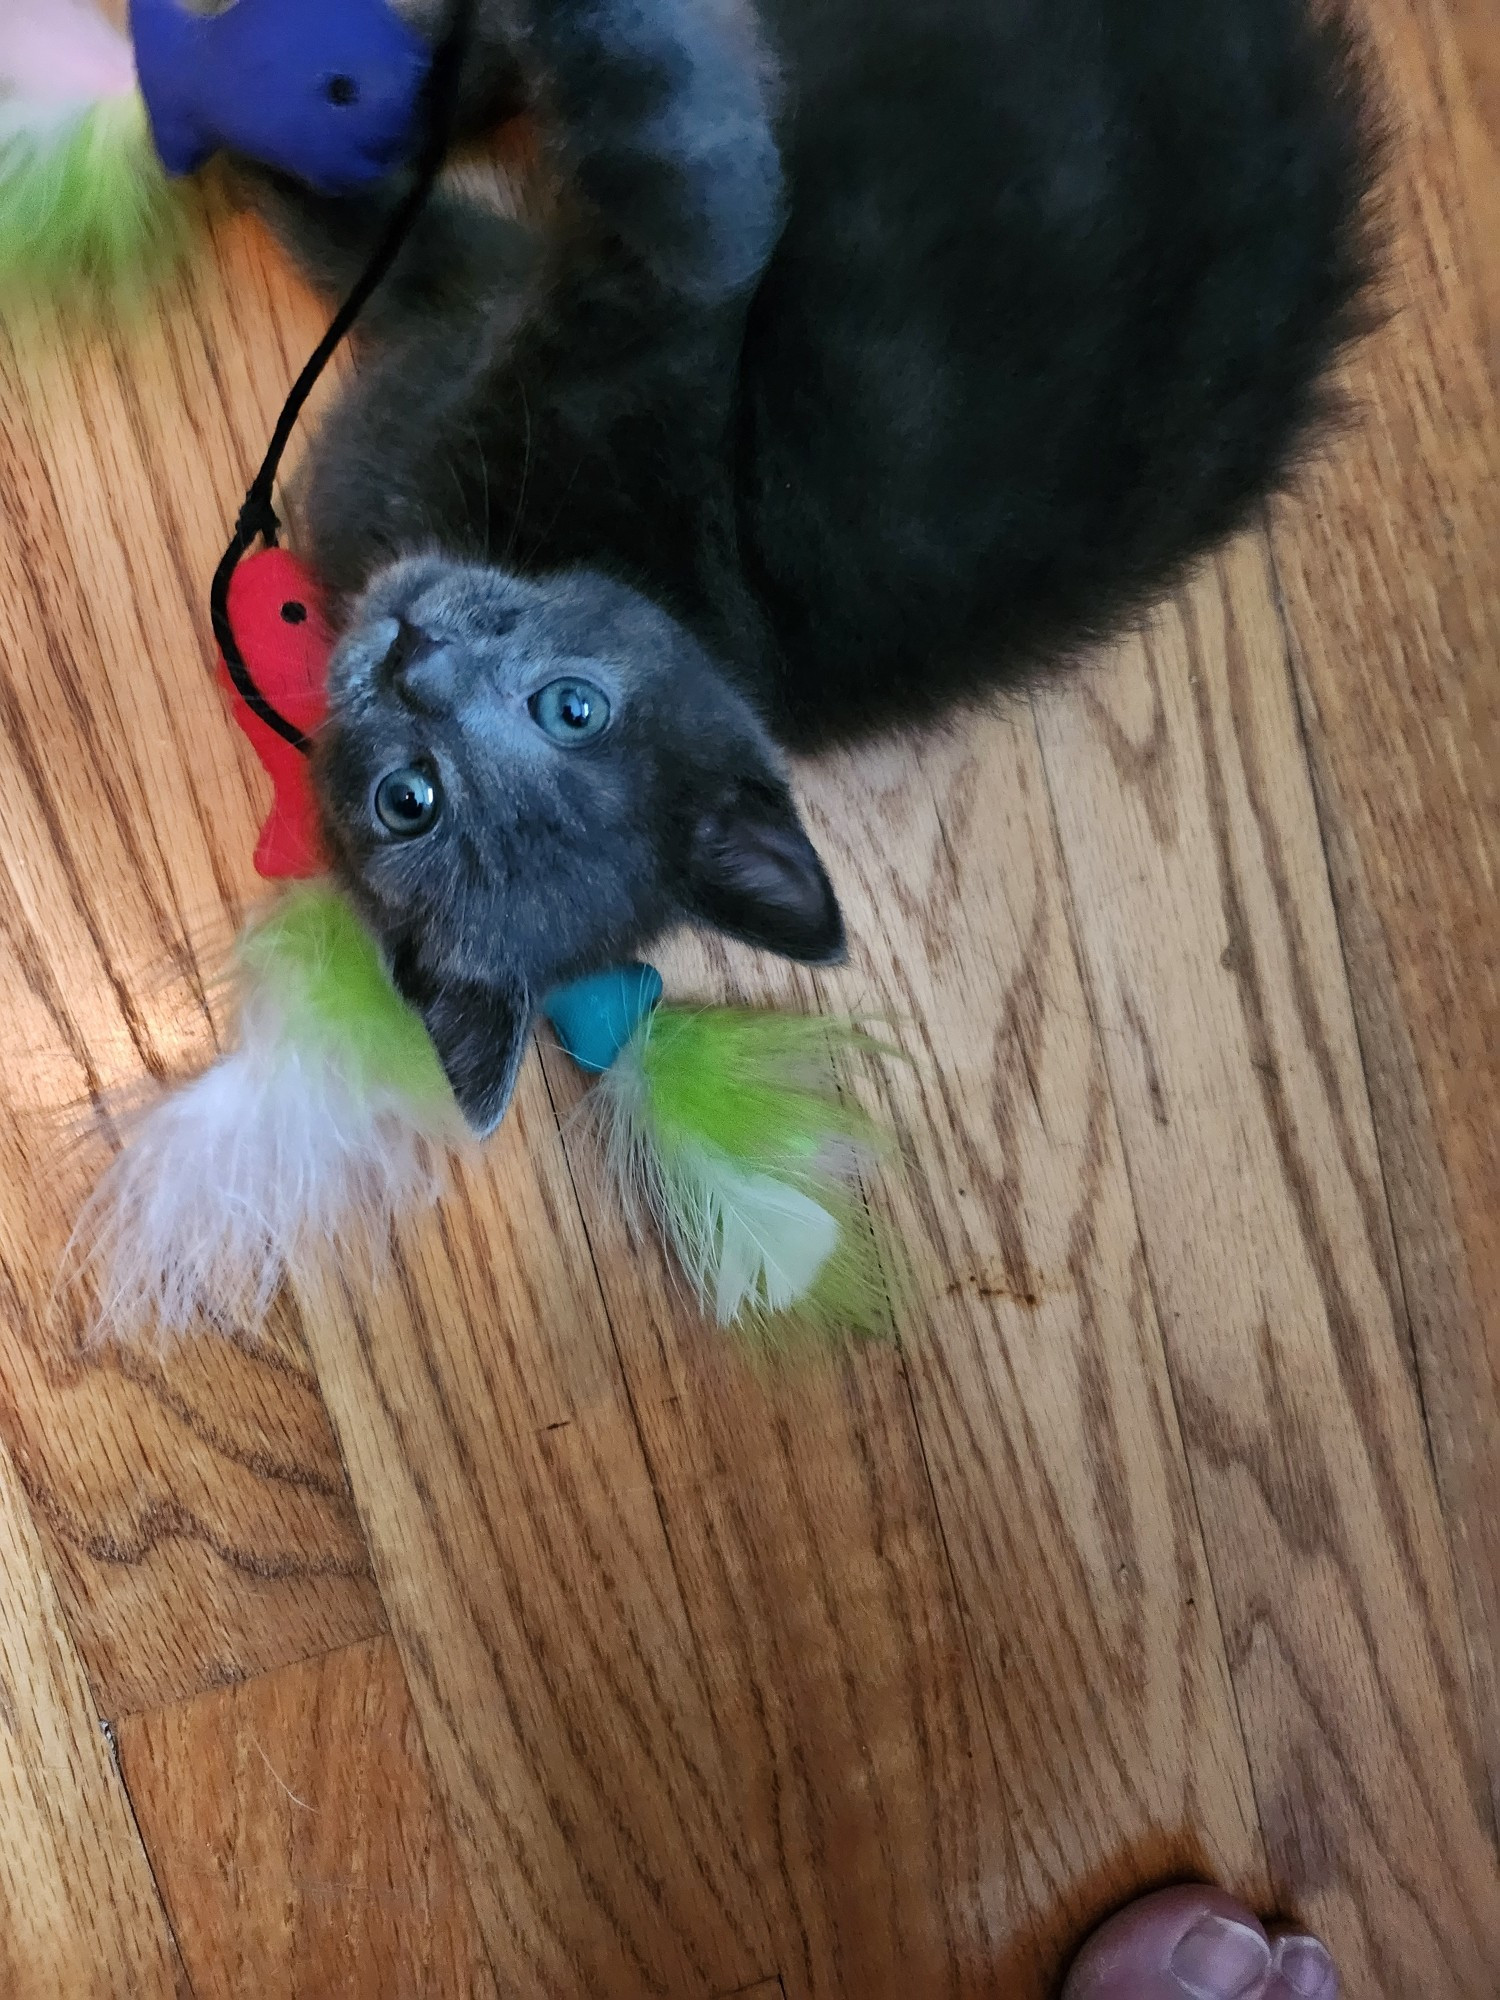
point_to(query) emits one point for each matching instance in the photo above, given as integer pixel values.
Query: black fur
(891, 348)
(1057, 287)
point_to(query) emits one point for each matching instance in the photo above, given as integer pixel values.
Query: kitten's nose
(411, 645)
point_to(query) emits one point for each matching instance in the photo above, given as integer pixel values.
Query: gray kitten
(876, 353)
(526, 781)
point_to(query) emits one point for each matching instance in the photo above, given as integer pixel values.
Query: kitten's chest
(641, 490)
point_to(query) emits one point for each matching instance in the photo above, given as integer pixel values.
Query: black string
(257, 518)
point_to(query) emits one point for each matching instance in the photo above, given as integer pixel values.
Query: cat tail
(325, 1121)
(85, 204)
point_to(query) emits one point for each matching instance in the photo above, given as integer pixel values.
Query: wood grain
(1039, 1376)
(79, 1915)
(1187, 818)
(1461, 57)
(195, 1508)
(797, 1505)
(294, 1832)
(879, 1675)
(1034, 1369)
(520, 1552)
(1388, 571)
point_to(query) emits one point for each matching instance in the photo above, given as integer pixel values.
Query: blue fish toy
(325, 91)
(96, 124)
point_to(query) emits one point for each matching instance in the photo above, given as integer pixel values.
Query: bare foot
(1198, 1944)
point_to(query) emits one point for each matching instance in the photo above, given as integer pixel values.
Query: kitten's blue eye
(571, 711)
(407, 802)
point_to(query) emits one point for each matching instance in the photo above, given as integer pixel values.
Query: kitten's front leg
(661, 117)
(459, 256)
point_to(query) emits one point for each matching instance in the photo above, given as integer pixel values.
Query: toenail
(1221, 1960)
(1305, 1966)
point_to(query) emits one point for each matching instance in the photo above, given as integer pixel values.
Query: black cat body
(890, 350)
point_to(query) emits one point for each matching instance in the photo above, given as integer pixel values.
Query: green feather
(757, 1085)
(312, 955)
(731, 1124)
(86, 207)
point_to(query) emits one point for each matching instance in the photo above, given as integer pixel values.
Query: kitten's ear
(479, 1029)
(753, 872)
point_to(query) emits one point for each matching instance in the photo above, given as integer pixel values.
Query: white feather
(58, 58)
(239, 1177)
(773, 1240)
(750, 1243)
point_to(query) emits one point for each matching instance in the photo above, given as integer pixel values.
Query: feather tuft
(728, 1129)
(85, 204)
(324, 1124)
(61, 56)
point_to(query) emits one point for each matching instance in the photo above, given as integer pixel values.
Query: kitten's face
(522, 782)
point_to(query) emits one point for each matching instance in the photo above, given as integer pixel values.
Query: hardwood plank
(196, 1512)
(1187, 818)
(768, 1989)
(799, 1512)
(80, 1918)
(1465, 55)
(1387, 568)
(1063, 1512)
(816, 1580)
(519, 1547)
(294, 1831)
(195, 1509)
(1039, 1375)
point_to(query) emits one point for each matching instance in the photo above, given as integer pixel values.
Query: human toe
(1179, 1944)
(1301, 1969)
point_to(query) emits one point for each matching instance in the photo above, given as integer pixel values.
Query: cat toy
(96, 125)
(726, 1128)
(723, 1127)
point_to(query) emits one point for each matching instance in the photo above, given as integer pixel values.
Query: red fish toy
(277, 609)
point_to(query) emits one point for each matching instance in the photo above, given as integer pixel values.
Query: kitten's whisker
(510, 546)
(484, 467)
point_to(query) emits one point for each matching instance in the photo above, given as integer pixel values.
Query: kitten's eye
(571, 711)
(407, 802)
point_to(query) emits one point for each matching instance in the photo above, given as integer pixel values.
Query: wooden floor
(496, 1629)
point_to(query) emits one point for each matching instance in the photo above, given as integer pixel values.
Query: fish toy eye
(408, 801)
(571, 711)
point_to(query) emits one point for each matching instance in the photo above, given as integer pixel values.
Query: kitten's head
(523, 782)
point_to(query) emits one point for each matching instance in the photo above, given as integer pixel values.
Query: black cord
(257, 518)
